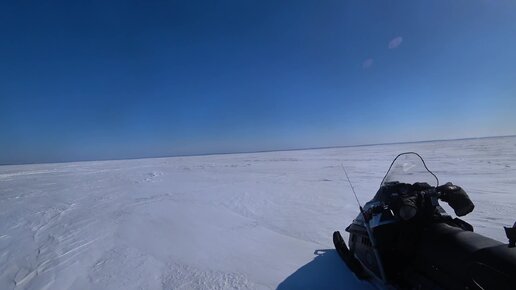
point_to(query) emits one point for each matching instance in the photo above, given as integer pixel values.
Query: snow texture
(240, 221)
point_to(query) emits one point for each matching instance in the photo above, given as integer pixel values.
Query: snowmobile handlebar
(407, 200)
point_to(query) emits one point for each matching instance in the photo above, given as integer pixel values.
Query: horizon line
(261, 151)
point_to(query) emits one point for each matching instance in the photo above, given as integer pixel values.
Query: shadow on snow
(325, 271)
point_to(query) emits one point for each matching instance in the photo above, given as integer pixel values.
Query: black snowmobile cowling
(404, 239)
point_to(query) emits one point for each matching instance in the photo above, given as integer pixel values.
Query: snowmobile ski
(348, 257)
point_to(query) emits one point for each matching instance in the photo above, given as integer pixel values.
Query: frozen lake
(236, 221)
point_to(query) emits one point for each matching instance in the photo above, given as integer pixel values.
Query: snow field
(239, 221)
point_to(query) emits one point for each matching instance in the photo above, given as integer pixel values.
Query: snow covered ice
(236, 221)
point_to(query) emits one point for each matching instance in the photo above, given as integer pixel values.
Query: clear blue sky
(89, 80)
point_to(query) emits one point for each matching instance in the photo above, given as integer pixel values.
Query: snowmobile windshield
(410, 168)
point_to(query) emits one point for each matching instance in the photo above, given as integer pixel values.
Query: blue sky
(89, 80)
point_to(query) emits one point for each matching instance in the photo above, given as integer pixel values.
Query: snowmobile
(404, 239)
